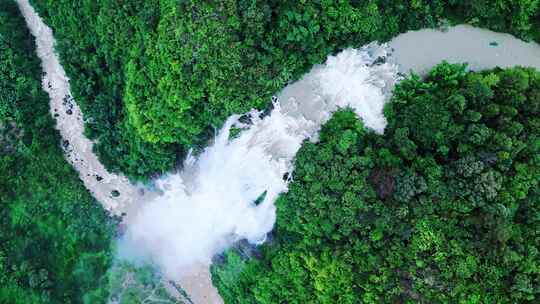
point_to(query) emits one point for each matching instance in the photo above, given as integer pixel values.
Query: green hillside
(444, 208)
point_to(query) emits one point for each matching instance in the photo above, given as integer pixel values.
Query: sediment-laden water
(211, 203)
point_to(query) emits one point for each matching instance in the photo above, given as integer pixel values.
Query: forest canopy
(443, 208)
(55, 238)
(155, 78)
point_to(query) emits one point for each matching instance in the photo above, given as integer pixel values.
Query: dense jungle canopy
(157, 77)
(444, 207)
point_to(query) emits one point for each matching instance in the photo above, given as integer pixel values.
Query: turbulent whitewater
(216, 199)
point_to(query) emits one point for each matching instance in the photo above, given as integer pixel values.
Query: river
(308, 102)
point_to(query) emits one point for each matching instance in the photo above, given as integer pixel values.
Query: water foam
(210, 204)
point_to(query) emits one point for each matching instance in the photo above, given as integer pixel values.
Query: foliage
(130, 284)
(519, 17)
(95, 40)
(55, 237)
(155, 78)
(443, 208)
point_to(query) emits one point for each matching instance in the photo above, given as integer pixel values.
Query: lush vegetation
(55, 238)
(443, 208)
(129, 284)
(156, 77)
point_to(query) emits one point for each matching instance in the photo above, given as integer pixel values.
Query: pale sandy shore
(417, 51)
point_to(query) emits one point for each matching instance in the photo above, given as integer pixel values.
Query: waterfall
(227, 193)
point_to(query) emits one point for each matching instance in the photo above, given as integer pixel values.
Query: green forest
(154, 78)
(444, 207)
(55, 238)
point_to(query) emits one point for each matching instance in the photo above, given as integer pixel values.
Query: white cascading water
(210, 204)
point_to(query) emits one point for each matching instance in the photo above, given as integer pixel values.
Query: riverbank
(113, 191)
(416, 51)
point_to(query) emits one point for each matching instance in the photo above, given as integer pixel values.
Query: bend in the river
(414, 51)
